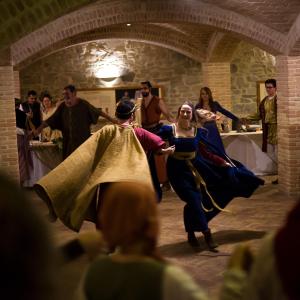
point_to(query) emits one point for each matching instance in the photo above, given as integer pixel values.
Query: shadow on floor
(236, 236)
(221, 237)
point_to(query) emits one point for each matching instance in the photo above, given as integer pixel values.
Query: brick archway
(98, 16)
(154, 35)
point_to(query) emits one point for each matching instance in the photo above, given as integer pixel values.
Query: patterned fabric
(49, 134)
(112, 154)
(272, 134)
(270, 113)
(264, 111)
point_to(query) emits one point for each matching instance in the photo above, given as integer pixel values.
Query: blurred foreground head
(26, 256)
(287, 249)
(128, 218)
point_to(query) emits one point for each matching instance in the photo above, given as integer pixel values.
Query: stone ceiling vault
(205, 30)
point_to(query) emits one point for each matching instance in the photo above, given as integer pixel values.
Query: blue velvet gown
(219, 185)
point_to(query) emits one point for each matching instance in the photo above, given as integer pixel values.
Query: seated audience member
(26, 253)
(275, 272)
(129, 222)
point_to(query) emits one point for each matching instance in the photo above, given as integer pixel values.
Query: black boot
(209, 240)
(192, 240)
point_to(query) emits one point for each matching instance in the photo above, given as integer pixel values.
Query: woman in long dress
(202, 175)
(206, 102)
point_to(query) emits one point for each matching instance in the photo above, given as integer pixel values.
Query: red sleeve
(219, 161)
(148, 140)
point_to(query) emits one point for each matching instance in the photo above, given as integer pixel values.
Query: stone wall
(133, 62)
(249, 65)
(180, 77)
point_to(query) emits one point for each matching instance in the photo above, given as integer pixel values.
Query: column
(288, 86)
(217, 77)
(8, 141)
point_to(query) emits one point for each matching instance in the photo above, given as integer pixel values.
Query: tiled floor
(248, 221)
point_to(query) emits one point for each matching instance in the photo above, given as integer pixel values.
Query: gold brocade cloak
(112, 154)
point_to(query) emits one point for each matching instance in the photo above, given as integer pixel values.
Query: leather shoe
(192, 240)
(209, 240)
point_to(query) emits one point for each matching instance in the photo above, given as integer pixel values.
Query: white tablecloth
(45, 157)
(246, 148)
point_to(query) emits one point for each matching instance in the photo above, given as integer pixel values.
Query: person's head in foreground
(129, 219)
(26, 252)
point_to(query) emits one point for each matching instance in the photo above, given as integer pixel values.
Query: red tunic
(148, 140)
(151, 113)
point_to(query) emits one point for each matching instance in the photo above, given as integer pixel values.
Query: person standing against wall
(32, 108)
(151, 109)
(74, 118)
(268, 116)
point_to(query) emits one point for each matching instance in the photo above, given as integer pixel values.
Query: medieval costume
(197, 174)
(150, 117)
(112, 154)
(268, 115)
(47, 133)
(213, 131)
(24, 156)
(74, 123)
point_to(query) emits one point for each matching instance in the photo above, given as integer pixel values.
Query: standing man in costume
(151, 109)
(74, 118)
(32, 108)
(268, 115)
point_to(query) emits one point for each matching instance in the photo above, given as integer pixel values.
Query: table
(246, 148)
(45, 157)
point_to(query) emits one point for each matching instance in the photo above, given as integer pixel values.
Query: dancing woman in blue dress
(201, 175)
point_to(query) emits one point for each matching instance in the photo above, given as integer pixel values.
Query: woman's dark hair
(32, 93)
(271, 81)
(190, 104)
(45, 94)
(210, 98)
(71, 88)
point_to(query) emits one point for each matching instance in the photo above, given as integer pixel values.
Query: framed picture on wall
(260, 92)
